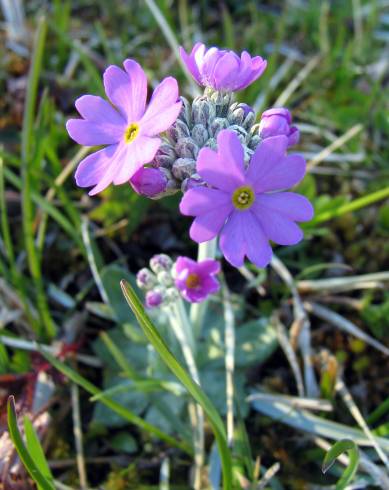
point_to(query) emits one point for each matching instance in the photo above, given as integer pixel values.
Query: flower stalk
(206, 250)
(182, 329)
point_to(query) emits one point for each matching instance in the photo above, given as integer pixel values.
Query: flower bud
(178, 131)
(160, 262)
(277, 121)
(217, 125)
(186, 111)
(199, 134)
(187, 148)
(165, 278)
(203, 111)
(183, 168)
(145, 279)
(153, 298)
(149, 182)
(171, 294)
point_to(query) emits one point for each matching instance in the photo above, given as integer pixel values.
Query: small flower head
(128, 128)
(196, 280)
(150, 182)
(153, 298)
(277, 121)
(247, 206)
(221, 69)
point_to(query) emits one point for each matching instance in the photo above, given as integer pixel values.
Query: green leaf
(193, 388)
(124, 442)
(336, 450)
(34, 447)
(113, 405)
(22, 451)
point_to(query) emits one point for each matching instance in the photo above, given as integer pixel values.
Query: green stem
(183, 332)
(206, 250)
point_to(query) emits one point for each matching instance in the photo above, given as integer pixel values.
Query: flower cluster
(164, 281)
(232, 171)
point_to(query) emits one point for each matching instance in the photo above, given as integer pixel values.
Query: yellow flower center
(131, 132)
(192, 281)
(243, 197)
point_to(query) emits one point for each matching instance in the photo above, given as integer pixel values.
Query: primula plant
(190, 357)
(233, 174)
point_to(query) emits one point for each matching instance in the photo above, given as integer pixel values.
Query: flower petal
(207, 226)
(287, 173)
(92, 169)
(191, 60)
(226, 71)
(291, 205)
(266, 156)
(258, 249)
(224, 169)
(96, 109)
(201, 200)
(92, 134)
(277, 227)
(127, 90)
(164, 97)
(138, 89)
(271, 169)
(162, 122)
(209, 266)
(242, 235)
(136, 154)
(258, 66)
(231, 241)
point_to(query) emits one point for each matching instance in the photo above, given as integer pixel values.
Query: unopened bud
(154, 298)
(160, 262)
(145, 279)
(149, 182)
(277, 121)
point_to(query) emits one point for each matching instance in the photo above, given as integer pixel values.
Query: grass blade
(48, 328)
(331, 456)
(23, 453)
(193, 388)
(34, 447)
(354, 205)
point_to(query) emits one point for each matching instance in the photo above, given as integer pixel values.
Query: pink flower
(221, 69)
(127, 127)
(247, 207)
(195, 280)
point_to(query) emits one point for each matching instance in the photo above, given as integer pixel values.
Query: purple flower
(127, 127)
(196, 280)
(221, 69)
(149, 182)
(277, 121)
(153, 299)
(246, 206)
